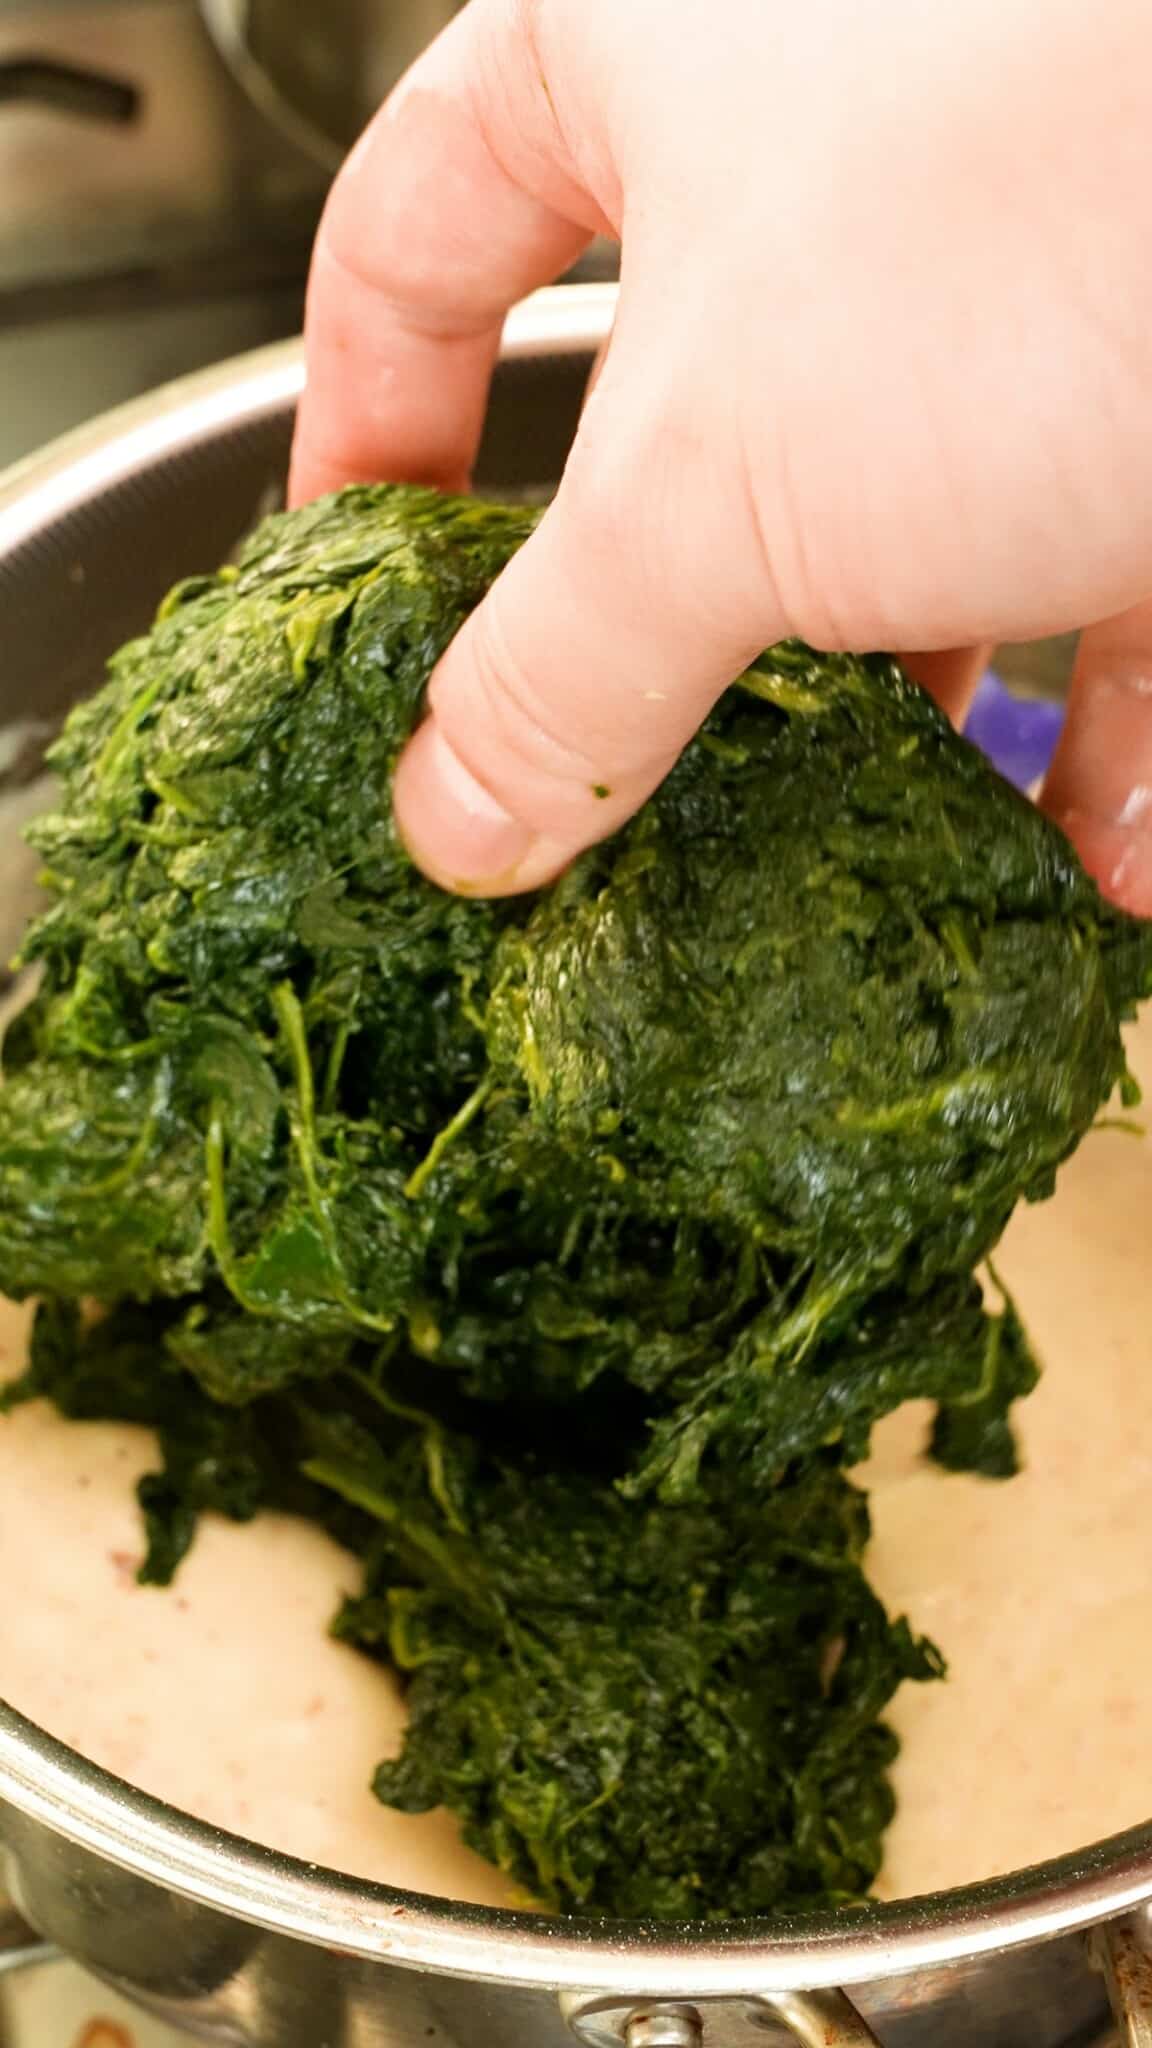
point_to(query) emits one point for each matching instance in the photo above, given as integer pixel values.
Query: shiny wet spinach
(558, 1255)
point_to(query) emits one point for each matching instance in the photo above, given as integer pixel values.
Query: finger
(569, 693)
(599, 361)
(1099, 787)
(952, 678)
(426, 240)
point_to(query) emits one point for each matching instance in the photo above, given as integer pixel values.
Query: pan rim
(47, 1782)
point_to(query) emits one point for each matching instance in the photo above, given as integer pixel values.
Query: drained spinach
(638, 1710)
(559, 1254)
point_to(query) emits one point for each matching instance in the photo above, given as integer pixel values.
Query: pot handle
(815, 2019)
(1123, 1951)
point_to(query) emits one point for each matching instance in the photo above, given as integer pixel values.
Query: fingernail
(458, 832)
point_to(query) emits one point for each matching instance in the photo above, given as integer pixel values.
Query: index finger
(426, 241)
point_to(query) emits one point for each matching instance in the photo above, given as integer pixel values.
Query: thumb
(570, 691)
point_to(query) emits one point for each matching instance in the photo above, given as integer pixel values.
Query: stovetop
(130, 163)
(151, 220)
(54, 2004)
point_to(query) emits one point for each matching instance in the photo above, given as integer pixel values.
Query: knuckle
(507, 727)
(405, 277)
(524, 714)
(666, 496)
(789, 535)
(640, 504)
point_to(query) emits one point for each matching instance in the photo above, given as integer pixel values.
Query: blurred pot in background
(319, 70)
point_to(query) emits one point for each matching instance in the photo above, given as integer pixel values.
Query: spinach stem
(416, 1183)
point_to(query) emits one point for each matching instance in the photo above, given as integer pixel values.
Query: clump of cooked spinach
(558, 1255)
(633, 1709)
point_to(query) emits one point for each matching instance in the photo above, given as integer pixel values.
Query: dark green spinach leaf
(558, 1255)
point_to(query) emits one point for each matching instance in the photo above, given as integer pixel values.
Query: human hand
(881, 376)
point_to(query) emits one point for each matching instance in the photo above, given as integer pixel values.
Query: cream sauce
(225, 1696)
(1038, 1589)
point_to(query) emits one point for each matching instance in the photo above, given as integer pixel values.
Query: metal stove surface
(130, 160)
(50, 2003)
(151, 220)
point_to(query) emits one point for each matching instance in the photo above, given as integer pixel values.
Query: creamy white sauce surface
(1038, 1589)
(225, 1696)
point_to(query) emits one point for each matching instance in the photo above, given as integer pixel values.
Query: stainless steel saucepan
(319, 71)
(248, 1947)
